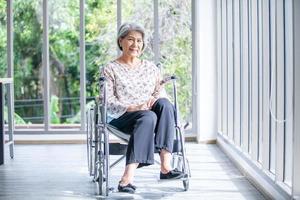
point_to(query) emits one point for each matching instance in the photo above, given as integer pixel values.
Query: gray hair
(126, 28)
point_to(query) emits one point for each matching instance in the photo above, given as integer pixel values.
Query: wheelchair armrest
(173, 79)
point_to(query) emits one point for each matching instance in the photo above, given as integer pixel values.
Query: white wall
(205, 52)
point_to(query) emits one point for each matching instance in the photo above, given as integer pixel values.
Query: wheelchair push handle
(102, 79)
(168, 79)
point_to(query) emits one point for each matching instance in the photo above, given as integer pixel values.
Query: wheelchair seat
(119, 134)
(118, 148)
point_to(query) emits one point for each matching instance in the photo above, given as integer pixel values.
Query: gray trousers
(150, 130)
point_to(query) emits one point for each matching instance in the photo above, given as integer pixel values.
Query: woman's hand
(134, 108)
(145, 106)
(151, 101)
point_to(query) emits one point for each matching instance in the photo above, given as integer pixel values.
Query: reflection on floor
(60, 172)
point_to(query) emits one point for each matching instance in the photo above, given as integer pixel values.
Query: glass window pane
(176, 49)
(64, 61)
(28, 62)
(131, 12)
(101, 41)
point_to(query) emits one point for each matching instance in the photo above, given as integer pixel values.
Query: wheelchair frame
(98, 146)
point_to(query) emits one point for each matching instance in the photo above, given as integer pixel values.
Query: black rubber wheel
(100, 180)
(186, 185)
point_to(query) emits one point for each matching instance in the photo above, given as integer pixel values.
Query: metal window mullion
(222, 51)
(289, 91)
(195, 62)
(280, 68)
(156, 32)
(266, 85)
(10, 29)
(296, 132)
(119, 13)
(10, 72)
(224, 69)
(219, 63)
(46, 68)
(273, 83)
(254, 81)
(245, 78)
(119, 20)
(249, 9)
(260, 79)
(230, 77)
(82, 65)
(237, 73)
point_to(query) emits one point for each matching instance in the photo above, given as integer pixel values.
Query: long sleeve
(159, 90)
(115, 108)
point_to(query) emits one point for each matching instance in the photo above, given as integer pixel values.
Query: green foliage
(54, 110)
(17, 118)
(77, 118)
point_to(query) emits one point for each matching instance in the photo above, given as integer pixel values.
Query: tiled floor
(59, 172)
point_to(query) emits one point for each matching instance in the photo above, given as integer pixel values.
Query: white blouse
(130, 86)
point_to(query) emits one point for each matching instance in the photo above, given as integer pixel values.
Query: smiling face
(132, 44)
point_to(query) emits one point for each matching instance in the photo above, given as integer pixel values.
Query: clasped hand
(145, 106)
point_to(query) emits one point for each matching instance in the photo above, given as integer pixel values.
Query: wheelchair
(99, 147)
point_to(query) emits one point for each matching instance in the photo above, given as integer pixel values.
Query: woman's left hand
(150, 102)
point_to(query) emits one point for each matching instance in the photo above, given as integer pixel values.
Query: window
(262, 97)
(62, 103)
(28, 80)
(131, 12)
(100, 41)
(64, 61)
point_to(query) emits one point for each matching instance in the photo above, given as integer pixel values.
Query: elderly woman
(137, 106)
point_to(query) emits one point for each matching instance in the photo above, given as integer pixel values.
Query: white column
(296, 140)
(205, 68)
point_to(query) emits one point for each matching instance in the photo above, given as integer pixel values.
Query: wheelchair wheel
(90, 141)
(186, 184)
(102, 164)
(102, 174)
(100, 178)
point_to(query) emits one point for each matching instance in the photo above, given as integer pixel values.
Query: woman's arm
(115, 108)
(159, 90)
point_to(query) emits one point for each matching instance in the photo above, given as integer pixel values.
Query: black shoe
(132, 186)
(173, 174)
(129, 188)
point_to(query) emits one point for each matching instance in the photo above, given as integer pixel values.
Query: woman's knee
(148, 117)
(164, 103)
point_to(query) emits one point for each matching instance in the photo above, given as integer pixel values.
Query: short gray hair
(126, 28)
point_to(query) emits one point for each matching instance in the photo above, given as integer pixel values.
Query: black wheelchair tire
(186, 185)
(100, 180)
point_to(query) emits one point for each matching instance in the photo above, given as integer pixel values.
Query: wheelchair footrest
(117, 149)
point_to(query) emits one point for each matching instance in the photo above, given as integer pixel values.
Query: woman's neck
(128, 60)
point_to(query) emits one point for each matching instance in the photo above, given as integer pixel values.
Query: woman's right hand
(134, 108)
